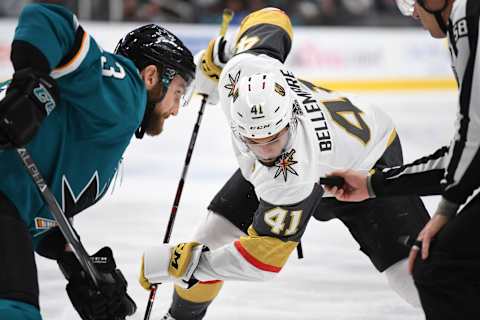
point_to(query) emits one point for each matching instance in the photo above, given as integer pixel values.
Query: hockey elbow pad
(30, 97)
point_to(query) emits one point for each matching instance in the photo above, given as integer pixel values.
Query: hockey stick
(57, 212)
(333, 181)
(178, 194)
(226, 18)
(173, 212)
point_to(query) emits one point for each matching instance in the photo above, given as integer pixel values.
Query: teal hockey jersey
(80, 144)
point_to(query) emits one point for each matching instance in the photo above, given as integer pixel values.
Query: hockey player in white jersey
(286, 134)
(446, 269)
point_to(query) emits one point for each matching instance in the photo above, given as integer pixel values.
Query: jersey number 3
(116, 71)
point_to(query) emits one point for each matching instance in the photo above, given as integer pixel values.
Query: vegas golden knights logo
(231, 86)
(285, 164)
(279, 89)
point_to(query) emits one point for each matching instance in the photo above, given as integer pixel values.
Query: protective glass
(271, 149)
(187, 95)
(167, 78)
(406, 6)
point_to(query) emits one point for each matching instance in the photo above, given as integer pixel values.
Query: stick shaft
(181, 183)
(178, 195)
(57, 212)
(226, 18)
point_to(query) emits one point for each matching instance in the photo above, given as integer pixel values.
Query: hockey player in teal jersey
(69, 98)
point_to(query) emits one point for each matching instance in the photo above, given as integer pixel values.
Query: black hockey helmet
(152, 44)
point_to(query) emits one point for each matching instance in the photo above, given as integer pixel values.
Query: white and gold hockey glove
(166, 263)
(210, 63)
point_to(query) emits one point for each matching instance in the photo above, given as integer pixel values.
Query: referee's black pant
(449, 280)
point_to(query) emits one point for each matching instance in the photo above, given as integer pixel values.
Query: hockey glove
(30, 97)
(167, 263)
(110, 300)
(205, 85)
(209, 64)
(214, 58)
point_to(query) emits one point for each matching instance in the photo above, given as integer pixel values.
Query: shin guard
(192, 304)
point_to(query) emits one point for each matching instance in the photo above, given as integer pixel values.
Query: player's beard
(155, 123)
(156, 118)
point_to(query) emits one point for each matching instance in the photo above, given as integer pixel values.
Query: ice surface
(333, 281)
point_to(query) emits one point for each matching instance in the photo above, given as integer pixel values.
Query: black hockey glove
(109, 301)
(30, 97)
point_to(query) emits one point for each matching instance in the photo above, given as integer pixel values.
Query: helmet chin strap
(437, 14)
(140, 132)
(441, 22)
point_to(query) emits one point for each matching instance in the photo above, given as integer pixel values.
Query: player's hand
(107, 301)
(425, 237)
(353, 190)
(171, 263)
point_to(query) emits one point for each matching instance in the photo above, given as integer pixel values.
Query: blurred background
(348, 45)
(361, 46)
(302, 12)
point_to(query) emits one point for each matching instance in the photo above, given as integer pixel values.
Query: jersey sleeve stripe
(422, 176)
(78, 53)
(433, 162)
(211, 281)
(391, 137)
(253, 261)
(77, 44)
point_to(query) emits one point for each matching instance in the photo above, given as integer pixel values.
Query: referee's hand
(354, 188)
(425, 238)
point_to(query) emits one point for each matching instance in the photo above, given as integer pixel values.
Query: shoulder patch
(231, 86)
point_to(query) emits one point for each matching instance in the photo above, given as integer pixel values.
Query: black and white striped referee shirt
(452, 171)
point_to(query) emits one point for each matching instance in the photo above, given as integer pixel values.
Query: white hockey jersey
(333, 132)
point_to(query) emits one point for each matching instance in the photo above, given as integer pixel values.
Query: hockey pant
(449, 280)
(18, 272)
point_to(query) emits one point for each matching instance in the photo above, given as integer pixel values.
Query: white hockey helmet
(262, 105)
